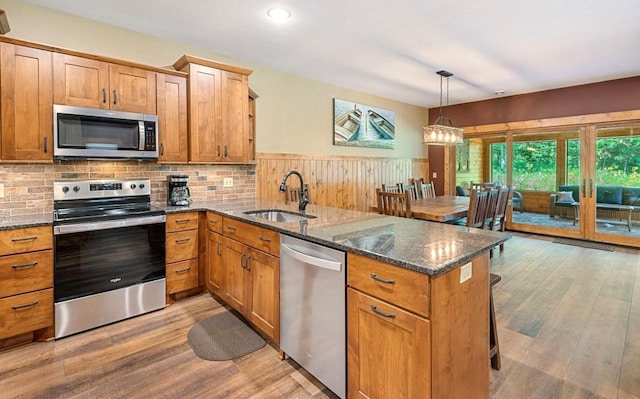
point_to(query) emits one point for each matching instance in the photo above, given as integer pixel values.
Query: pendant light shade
(442, 132)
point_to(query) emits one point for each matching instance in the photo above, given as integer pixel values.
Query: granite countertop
(426, 247)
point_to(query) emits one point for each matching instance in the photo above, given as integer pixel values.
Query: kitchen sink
(278, 215)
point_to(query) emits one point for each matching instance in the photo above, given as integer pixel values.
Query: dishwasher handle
(311, 260)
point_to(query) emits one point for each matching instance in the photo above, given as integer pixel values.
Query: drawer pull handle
(183, 270)
(23, 265)
(24, 239)
(28, 305)
(212, 221)
(183, 240)
(182, 221)
(115, 280)
(382, 280)
(383, 314)
(263, 239)
(231, 228)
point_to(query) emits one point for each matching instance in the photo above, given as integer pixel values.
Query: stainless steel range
(109, 253)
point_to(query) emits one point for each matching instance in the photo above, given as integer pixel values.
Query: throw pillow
(564, 196)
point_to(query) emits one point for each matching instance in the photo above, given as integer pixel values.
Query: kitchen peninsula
(436, 343)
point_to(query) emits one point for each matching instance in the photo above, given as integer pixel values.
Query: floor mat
(585, 244)
(223, 337)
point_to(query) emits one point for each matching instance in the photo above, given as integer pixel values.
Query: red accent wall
(436, 165)
(594, 98)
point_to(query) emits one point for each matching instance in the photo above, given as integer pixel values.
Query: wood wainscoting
(335, 181)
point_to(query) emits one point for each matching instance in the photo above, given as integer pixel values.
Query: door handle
(590, 188)
(584, 188)
(45, 144)
(375, 310)
(219, 249)
(104, 95)
(246, 263)
(115, 97)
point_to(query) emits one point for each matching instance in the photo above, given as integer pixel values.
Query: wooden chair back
(425, 190)
(478, 200)
(492, 203)
(394, 204)
(499, 216)
(390, 188)
(408, 188)
(292, 194)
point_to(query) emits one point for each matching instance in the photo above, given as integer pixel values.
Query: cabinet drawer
(214, 222)
(260, 238)
(182, 245)
(20, 314)
(401, 287)
(26, 272)
(182, 221)
(182, 276)
(26, 240)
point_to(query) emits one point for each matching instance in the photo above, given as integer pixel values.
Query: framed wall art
(359, 125)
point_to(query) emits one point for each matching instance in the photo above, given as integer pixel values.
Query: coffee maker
(177, 190)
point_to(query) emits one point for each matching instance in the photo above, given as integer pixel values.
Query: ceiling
(393, 49)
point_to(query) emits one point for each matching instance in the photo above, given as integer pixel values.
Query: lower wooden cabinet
(388, 350)
(215, 270)
(24, 313)
(251, 285)
(182, 254)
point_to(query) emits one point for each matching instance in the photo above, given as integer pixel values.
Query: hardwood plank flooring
(568, 324)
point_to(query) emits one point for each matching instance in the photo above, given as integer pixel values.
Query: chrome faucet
(304, 194)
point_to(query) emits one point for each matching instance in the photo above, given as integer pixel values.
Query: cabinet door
(215, 264)
(205, 110)
(235, 122)
(388, 350)
(26, 103)
(236, 276)
(264, 271)
(172, 118)
(80, 82)
(132, 89)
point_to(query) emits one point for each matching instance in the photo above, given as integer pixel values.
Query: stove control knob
(65, 189)
(141, 186)
(133, 186)
(76, 189)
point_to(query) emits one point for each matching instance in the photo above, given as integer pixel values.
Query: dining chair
(476, 216)
(390, 188)
(413, 194)
(425, 190)
(492, 204)
(499, 218)
(394, 204)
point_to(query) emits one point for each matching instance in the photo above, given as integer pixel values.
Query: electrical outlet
(1, 190)
(465, 272)
(435, 175)
(228, 182)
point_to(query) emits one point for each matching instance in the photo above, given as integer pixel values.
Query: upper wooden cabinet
(26, 106)
(172, 118)
(218, 111)
(87, 82)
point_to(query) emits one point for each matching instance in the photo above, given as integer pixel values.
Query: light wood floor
(568, 323)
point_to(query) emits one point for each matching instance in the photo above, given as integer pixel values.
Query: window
(534, 165)
(498, 162)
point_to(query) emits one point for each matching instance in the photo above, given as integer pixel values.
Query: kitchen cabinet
(172, 118)
(393, 317)
(218, 98)
(87, 82)
(252, 275)
(252, 124)
(26, 103)
(182, 252)
(215, 270)
(26, 282)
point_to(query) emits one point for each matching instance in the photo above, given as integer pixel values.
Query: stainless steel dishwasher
(313, 310)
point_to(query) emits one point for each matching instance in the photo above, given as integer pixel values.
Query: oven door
(91, 258)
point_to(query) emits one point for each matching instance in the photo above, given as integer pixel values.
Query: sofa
(607, 197)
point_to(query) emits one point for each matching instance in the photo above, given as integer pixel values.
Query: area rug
(585, 244)
(223, 337)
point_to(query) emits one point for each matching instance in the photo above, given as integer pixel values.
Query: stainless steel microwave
(103, 134)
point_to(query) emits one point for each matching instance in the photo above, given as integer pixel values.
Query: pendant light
(442, 131)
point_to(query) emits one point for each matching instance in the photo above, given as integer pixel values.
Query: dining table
(438, 209)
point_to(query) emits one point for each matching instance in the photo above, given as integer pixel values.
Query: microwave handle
(141, 137)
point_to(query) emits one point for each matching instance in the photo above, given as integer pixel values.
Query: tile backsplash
(28, 188)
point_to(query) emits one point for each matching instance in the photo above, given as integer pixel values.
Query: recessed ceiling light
(279, 14)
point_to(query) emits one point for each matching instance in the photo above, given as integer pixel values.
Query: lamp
(442, 131)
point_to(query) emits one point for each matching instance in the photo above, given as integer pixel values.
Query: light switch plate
(465, 272)
(228, 182)
(435, 175)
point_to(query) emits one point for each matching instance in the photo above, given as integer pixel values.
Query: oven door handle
(108, 224)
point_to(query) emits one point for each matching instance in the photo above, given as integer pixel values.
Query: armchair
(516, 201)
